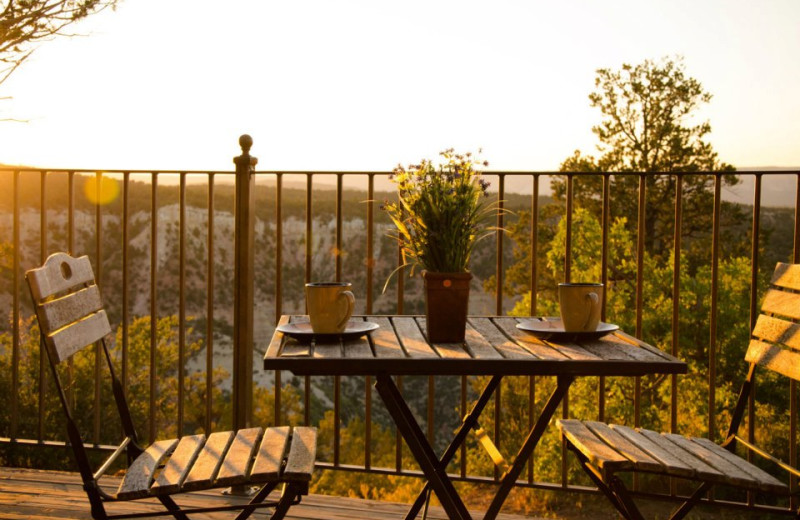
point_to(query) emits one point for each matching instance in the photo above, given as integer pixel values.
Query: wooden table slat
(277, 339)
(507, 348)
(384, 340)
(411, 338)
(478, 346)
(493, 346)
(538, 347)
(448, 350)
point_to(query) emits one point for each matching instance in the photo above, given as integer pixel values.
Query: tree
(25, 23)
(648, 125)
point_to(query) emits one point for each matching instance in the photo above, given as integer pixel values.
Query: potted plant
(440, 214)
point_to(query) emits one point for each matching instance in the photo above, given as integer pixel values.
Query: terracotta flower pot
(446, 303)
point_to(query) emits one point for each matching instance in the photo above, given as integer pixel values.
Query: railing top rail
(788, 171)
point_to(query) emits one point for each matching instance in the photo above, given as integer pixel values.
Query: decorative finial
(245, 141)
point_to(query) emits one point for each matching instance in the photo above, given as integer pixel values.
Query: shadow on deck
(55, 495)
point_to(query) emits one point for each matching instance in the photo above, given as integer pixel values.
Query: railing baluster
(793, 401)
(15, 313)
(309, 226)
(181, 298)
(463, 448)
(153, 303)
(210, 273)
(370, 262)
(367, 422)
(641, 227)
(712, 342)
(338, 247)
(567, 278)
(754, 311)
(71, 248)
(278, 280)
(498, 274)
(676, 294)
(98, 354)
(534, 245)
(125, 275)
(606, 217)
(42, 258)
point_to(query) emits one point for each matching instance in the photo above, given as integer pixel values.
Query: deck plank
(58, 495)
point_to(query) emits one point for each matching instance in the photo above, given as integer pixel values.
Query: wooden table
(494, 347)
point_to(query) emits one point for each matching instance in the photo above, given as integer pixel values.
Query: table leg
(469, 421)
(409, 428)
(510, 478)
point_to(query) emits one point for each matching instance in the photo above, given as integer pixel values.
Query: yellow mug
(330, 305)
(580, 305)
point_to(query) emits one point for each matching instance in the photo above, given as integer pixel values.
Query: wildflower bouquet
(441, 212)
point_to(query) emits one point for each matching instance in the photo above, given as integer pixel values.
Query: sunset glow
(361, 85)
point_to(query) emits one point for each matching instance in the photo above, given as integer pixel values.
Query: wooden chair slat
(595, 449)
(236, 467)
(765, 481)
(271, 454)
(70, 308)
(137, 480)
(672, 464)
(66, 341)
(59, 273)
(206, 466)
(782, 303)
(776, 330)
(730, 474)
(786, 275)
(640, 458)
(302, 454)
(178, 465)
(775, 358)
(701, 469)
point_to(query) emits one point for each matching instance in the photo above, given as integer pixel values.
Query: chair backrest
(71, 317)
(775, 342)
(68, 305)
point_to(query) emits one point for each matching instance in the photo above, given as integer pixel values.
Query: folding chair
(604, 450)
(71, 317)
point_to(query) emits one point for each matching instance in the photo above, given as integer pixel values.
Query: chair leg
(173, 508)
(288, 497)
(259, 497)
(621, 492)
(600, 483)
(691, 502)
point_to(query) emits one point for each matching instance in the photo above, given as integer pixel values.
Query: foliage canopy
(25, 23)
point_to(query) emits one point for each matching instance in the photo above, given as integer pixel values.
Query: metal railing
(239, 251)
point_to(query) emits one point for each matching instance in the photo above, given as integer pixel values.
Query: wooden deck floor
(51, 495)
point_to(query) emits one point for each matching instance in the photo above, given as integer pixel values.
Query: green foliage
(24, 24)
(648, 125)
(440, 213)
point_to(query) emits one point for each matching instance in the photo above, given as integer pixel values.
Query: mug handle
(351, 302)
(594, 300)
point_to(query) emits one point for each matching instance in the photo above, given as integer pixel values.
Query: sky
(365, 85)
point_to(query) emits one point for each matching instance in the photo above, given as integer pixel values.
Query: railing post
(243, 274)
